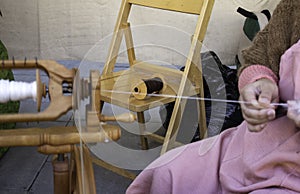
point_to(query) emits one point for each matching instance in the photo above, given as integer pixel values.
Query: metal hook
(2, 62)
(36, 61)
(25, 59)
(13, 60)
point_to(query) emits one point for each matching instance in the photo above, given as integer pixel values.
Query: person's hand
(257, 110)
(294, 111)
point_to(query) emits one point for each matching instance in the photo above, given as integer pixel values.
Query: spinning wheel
(69, 175)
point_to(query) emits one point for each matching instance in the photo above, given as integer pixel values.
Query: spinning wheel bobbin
(40, 90)
(17, 90)
(154, 85)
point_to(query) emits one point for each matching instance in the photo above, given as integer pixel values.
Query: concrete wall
(68, 29)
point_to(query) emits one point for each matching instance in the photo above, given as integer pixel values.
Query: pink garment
(236, 161)
(254, 73)
(289, 84)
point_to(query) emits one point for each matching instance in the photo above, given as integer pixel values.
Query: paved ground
(24, 170)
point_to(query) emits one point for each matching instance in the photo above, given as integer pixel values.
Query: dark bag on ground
(219, 82)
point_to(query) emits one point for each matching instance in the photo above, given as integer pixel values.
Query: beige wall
(67, 29)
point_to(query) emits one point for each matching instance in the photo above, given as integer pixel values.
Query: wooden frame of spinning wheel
(69, 177)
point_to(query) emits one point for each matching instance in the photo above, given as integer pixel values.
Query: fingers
(268, 92)
(256, 128)
(260, 94)
(295, 117)
(257, 109)
(255, 116)
(265, 98)
(257, 119)
(294, 112)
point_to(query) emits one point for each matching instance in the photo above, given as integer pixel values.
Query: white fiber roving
(15, 91)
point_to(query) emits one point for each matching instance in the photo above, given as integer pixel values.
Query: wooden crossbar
(185, 6)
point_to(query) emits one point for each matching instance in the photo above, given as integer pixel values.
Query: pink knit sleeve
(255, 72)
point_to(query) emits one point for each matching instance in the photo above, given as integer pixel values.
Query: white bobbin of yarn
(15, 91)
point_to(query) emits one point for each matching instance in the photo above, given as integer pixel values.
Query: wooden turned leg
(61, 174)
(141, 121)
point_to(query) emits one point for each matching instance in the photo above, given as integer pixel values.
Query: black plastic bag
(219, 82)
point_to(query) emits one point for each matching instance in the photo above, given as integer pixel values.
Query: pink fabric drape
(236, 161)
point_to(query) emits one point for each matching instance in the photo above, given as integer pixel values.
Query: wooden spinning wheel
(71, 174)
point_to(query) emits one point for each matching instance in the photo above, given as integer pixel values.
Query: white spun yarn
(15, 91)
